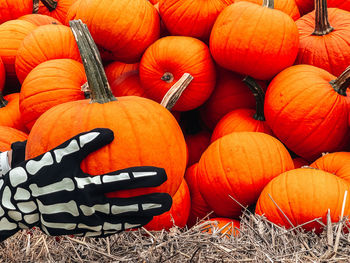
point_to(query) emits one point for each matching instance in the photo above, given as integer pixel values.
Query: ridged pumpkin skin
(178, 55)
(51, 83)
(254, 40)
(337, 163)
(196, 144)
(10, 135)
(240, 164)
(194, 18)
(60, 12)
(304, 194)
(122, 28)
(287, 6)
(10, 115)
(240, 120)
(199, 208)
(145, 133)
(13, 9)
(230, 93)
(38, 47)
(306, 113)
(39, 20)
(178, 213)
(12, 34)
(330, 51)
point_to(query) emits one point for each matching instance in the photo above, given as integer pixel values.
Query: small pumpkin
(296, 192)
(10, 135)
(167, 59)
(254, 40)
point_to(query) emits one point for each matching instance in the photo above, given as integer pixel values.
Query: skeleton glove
(53, 193)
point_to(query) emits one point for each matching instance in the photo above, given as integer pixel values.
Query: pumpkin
(167, 59)
(39, 20)
(178, 213)
(299, 162)
(50, 83)
(10, 115)
(306, 6)
(229, 94)
(307, 108)
(115, 69)
(38, 47)
(325, 38)
(123, 29)
(254, 40)
(297, 192)
(199, 208)
(10, 135)
(141, 139)
(194, 18)
(13, 9)
(2, 75)
(287, 6)
(244, 119)
(222, 226)
(337, 163)
(240, 164)
(57, 9)
(12, 34)
(196, 143)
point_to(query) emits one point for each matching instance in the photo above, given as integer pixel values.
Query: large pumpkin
(166, 60)
(303, 194)
(307, 108)
(42, 44)
(146, 134)
(50, 83)
(240, 164)
(325, 38)
(122, 29)
(194, 18)
(254, 40)
(10, 135)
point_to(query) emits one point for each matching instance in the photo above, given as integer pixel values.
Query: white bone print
(82, 182)
(86, 138)
(70, 207)
(88, 211)
(71, 148)
(115, 178)
(6, 199)
(66, 184)
(17, 176)
(123, 209)
(34, 166)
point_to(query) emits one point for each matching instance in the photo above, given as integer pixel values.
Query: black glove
(18, 152)
(53, 193)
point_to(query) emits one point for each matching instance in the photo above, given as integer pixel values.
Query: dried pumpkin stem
(50, 4)
(35, 6)
(167, 77)
(322, 26)
(259, 97)
(269, 4)
(341, 83)
(90, 56)
(3, 102)
(174, 93)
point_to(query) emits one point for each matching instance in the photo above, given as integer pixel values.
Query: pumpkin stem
(167, 77)
(90, 56)
(269, 4)
(50, 4)
(341, 83)
(3, 102)
(35, 6)
(259, 97)
(174, 93)
(322, 26)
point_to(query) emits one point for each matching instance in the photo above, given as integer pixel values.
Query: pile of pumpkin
(265, 94)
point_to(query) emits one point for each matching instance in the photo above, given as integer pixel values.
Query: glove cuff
(18, 152)
(4, 164)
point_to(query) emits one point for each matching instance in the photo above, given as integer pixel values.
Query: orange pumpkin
(235, 166)
(337, 163)
(50, 83)
(225, 226)
(199, 208)
(122, 29)
(38, 47)
(148, 144)
(57, 9)
(39, 20)
(13, 9)
(10, 115)
(196, 143)
(115, 69)
(194, 18)
(10, 135)
(178, 213)
(254, 40)
(297, 192)
(166, 60)
(244, 119)
(306, 6)
(2, 75)
(324, 42)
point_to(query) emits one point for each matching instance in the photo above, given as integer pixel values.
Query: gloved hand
(53, 193)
